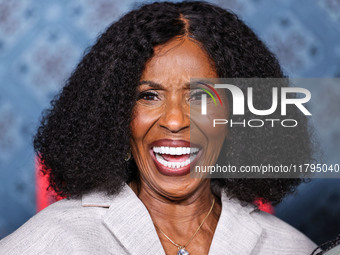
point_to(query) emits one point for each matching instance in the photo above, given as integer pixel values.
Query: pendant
(182, 251)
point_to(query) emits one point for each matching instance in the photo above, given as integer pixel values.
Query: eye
(196, 95)
(148, 96)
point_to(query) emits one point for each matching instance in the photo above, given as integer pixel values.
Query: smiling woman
(162, 148)
(119, 142)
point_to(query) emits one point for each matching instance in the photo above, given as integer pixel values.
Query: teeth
(174, 164)
(193, 150)
(175, 150)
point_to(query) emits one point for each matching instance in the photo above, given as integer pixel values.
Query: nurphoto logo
(238, 103)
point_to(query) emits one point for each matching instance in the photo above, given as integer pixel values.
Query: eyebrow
(196, 84)
(152, 84)
(156, 85)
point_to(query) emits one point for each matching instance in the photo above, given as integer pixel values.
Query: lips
(173, 157)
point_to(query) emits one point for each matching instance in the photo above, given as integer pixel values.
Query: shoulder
(264, 233)
(65, 212)
(55, 228)
(279, 235)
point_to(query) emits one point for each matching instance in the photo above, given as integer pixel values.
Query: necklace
(181, 248)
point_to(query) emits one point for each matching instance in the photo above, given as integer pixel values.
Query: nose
(176, 117)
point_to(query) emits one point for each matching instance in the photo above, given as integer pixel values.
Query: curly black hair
(84, 136)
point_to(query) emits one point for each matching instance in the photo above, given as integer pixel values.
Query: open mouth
(175, 157)
(174, 160)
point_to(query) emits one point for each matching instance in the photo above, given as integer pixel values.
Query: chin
(179, 187)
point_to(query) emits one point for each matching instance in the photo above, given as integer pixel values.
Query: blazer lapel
(130, 222)
(236, 231)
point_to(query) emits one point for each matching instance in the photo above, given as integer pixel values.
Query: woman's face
(165, 138)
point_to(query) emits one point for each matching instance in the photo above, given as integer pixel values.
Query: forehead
(179, 59)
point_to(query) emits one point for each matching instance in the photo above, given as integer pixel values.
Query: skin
(177, 204)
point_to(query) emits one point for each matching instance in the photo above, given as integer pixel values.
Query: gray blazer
(121, 224)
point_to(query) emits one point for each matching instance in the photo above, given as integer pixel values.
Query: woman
(118, 143)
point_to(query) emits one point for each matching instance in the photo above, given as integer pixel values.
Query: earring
(128, 155)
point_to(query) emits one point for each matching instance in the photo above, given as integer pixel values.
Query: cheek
(204, 124)
(142, 121)
(221, 112)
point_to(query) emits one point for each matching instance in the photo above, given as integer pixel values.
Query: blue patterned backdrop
(41, 42)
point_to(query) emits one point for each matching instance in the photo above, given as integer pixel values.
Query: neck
(180, 218)
(175, 215)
